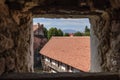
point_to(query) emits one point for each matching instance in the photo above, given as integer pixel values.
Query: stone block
(2, 65)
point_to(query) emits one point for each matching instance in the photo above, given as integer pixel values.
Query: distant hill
(69, 31)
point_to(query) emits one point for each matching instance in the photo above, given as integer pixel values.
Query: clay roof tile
(74, 51)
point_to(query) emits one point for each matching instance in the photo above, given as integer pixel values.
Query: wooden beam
(60, 76)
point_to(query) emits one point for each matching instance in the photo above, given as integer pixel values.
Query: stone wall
(95, 59)
(16, 54)
(106, 29)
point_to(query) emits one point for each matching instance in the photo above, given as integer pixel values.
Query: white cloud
(76, 24)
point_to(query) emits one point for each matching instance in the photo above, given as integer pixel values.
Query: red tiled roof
(35, 27)
(74, 51)
(37, 42)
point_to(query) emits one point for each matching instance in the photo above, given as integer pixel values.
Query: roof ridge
(71, 37)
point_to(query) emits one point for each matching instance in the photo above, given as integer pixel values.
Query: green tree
(60, 32)
(87, 34)
(87, 31)
(78, 33)
(52, 32)
(45, 31)
(66, 34)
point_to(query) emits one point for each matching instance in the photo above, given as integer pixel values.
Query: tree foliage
(45, 31)
(60, 32)
(66, 34)
(54, 32)
(87, 31)
(87, 34)
(78, 33)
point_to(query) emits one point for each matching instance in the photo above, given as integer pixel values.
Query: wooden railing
(54, 67)
(60, 76)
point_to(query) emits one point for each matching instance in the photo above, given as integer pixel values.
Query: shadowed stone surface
(106, 29)
(15, 41)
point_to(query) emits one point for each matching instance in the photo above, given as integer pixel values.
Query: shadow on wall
(39, 41)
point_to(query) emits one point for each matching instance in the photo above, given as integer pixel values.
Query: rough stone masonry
(15, 40)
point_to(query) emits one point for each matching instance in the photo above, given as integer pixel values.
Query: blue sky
(62, 23)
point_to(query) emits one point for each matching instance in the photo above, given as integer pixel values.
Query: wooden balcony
(61, 76)
(54, 67)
